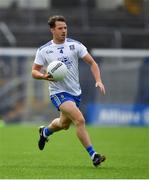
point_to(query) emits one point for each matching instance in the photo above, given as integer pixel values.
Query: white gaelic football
(58, 70)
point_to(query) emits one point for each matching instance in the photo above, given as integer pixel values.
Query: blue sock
(47, 132)
(90, 150)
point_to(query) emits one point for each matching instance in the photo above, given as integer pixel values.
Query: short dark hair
(53, 19)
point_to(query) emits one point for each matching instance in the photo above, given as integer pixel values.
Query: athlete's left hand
(101, 86)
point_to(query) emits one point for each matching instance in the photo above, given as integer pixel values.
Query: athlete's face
(59, 32)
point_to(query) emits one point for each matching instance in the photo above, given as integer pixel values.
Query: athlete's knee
(80, 121)
(65, 125)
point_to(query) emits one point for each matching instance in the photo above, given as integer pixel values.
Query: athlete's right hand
(48, 77)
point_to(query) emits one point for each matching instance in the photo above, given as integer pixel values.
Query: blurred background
(116, 33)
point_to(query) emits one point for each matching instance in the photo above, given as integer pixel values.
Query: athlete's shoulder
(45, 45)
(72, 40)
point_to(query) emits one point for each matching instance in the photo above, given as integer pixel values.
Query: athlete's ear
(52, 30)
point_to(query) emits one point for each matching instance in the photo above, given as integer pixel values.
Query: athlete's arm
(36, 73)
(95, 71)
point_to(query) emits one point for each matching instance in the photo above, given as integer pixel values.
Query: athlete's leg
(69, 113)
(72, 112)
(60, 123)
(57, 124)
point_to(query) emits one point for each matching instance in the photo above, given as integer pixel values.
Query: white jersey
(69, 52)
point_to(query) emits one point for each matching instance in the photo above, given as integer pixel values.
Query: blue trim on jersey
(59, 98)
(47, 44)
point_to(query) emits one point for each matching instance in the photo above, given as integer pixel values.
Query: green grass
(127, 151)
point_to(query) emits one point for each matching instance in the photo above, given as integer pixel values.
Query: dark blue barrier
(117, 114)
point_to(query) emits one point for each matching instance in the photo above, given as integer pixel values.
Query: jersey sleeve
(82, 50)
(39, 58)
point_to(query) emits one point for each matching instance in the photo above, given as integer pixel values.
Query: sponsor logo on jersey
(49, 51)
(61, 49)
(66, 61)
(72, 47)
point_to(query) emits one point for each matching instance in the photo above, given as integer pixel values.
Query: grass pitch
(126, 149)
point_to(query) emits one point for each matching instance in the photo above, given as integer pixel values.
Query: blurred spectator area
(96, 23)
